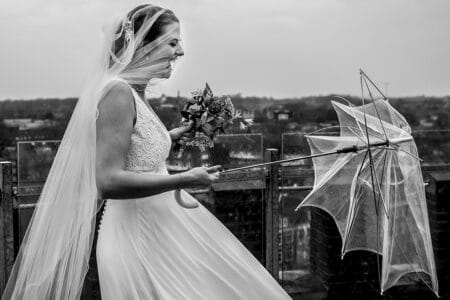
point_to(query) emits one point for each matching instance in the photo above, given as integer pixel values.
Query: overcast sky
(278, 48)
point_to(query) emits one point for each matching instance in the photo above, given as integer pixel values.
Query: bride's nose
(179, 51)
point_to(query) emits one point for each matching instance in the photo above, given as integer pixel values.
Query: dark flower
(215, 107)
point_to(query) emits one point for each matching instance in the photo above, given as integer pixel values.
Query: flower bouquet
(209, 115)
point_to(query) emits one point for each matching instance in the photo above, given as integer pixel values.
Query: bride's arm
(114, 127)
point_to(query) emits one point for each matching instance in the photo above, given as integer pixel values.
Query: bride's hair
(138, 16)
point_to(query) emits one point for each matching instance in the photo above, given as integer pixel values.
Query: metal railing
(6, 223)
(266, 180)
(270, 180)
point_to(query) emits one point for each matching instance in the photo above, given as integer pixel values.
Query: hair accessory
(128, 28)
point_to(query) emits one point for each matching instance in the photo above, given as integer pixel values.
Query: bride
(155, 240)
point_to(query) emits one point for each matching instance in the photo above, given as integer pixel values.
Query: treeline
(37, 108)
(307, 110)
(307, 114)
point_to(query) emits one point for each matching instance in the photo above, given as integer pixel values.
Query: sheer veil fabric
(53, 258)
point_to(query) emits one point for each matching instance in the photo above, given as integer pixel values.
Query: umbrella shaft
(278, 162)
(339, 151)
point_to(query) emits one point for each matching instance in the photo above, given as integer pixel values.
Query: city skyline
(281, 49)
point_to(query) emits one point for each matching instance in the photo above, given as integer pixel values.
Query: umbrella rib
(409, 153)
(375, 106)
(364, 108)
(362, 78)
(371, 177)
(352, 221)
(371, 168)
(361, 169)
(412, 267)
(379, 191)
(384, 164)
(379, 91)
(312, 133)
(353, 113)
(402, 150)
(350, 128)
(376, 211)
(348, 102)
(401, 250)
(367, 134)
(358, 137)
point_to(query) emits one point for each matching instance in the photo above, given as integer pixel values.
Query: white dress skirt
(152, 248)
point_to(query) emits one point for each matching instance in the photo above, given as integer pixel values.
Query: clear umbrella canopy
(376, 196)
(368, 178)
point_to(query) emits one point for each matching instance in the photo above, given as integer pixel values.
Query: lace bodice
(150, 141)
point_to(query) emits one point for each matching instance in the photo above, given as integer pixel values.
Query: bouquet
(210, 116)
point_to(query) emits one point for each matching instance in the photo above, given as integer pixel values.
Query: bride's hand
(203, 176)
(183, 132)
(200, 176)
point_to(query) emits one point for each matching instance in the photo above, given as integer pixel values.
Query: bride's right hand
(203, 176)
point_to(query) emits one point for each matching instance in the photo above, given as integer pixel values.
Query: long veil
(54, 255)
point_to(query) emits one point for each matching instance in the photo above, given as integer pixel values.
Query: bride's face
(171, 49)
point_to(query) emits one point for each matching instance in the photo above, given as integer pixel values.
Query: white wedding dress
(152, 248)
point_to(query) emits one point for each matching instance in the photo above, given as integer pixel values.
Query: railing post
(271, 216)
(6, 223)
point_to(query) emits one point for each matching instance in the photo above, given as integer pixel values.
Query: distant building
(283, 115)
(292, 126)
(168, 106)
(26, 123)
(279, 113)
(426, 123)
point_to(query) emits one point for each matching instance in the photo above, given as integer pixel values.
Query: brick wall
(438, 200)
(357, 275)
(354, 277)
(242, 213)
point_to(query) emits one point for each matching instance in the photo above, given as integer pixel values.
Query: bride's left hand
(183, 132)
